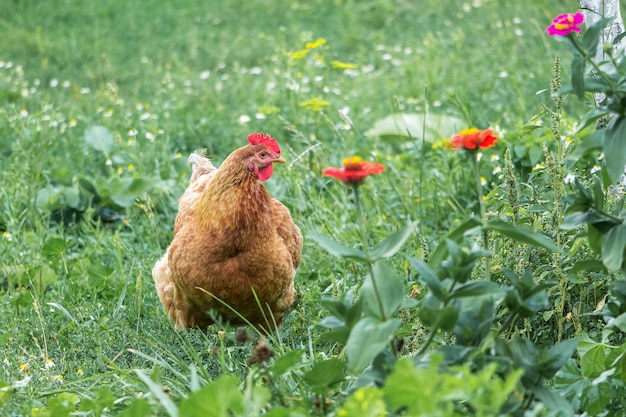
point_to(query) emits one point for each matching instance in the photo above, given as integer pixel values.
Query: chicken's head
(265, 152)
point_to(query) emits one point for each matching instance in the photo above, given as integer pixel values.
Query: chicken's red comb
(261, 139)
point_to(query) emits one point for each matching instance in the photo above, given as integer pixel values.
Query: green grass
(165, 78)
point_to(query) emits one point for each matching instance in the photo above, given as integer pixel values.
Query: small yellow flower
(299, 54)
(131, 167)
(179, 155)
(313, 45)
(24, 368)
(80, 372)
(342, 65)
(483, 181)
(314, 104)
(73, 122)
(49, 364)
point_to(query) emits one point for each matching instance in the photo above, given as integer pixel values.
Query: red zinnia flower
(473, 139)
(354, 170)
(565, 24)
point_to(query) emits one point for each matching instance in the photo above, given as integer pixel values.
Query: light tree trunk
(593, 11)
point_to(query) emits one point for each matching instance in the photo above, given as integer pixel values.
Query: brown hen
(234, 248)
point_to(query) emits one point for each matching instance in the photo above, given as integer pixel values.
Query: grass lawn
(101, 103)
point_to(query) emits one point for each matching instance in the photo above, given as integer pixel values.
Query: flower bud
(607, 48)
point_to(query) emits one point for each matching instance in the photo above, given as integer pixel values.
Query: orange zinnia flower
(354, 170)
(473, 139)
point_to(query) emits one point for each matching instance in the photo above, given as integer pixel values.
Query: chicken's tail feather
(200, 164)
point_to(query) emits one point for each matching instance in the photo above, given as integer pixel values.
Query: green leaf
(124, 192)
(441, 317)
(477, 288)
(592, 357)
(570, 383)
(578, 76)
(286, 362)
(401, 127)
(613, 244)
(139, 407)
(619, 322)
(441, 251)
(157, 391)
(591, 36)
(553, 400)
(383, 291)
(614, 146)
(221, 398)
(336, 249)
(366, 401)
(99, 138)
(368, 337)
(521, 234)
(392, 244)
(54, 247)
(428, 277)
(325, 374)
(589, 144)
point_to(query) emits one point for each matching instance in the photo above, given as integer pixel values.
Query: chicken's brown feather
(232, 241)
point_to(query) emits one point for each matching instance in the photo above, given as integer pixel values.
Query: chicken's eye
(263, 155)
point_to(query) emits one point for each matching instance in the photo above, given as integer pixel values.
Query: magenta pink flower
(565, 24)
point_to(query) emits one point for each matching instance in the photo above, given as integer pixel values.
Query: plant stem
(366, 249)
(483, 217)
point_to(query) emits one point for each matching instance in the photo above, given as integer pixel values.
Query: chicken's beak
(280, 159)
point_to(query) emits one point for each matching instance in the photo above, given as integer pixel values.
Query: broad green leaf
(591, 36)
(336, 249)
(441, 317)
(54, 247)
(366, 401)
(557, 356)
(578, 76)
(125, 192)
(139, 407)
(102, 400)
(368, 337)
(619, 322)
(613, 244)
(570, 383)
(591, 143)
(383, 291)
(221, 398)
(592, 356)
(5, 392)
(99, 138)
(402, 127)
(325, 374)
(286, 362)
(521, 234)
(553, 400)
(477, 288)
(157, 391)
(441, 251)
(428, 277)
(392, 244)
(614, 148)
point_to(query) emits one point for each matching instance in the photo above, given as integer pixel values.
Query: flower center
(352, 163)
